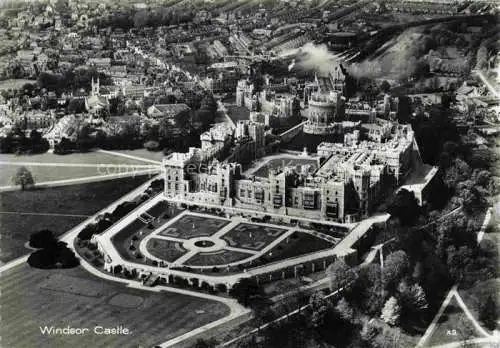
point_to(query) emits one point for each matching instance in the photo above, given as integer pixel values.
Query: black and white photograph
(249, 174)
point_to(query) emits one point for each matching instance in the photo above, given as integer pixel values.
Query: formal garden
(190, 226)
(165, 249)
(251, 236)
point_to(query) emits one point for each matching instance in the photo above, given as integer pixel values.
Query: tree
(404, 206)
(55, 256)
(344, 309)
(201, 343)
(246, 290)
(42, 239)
(385, 86)
(458, 261)
(488, 313)
(76, 106)
(391, 311)
(341, 275)
(413, 300)
(151, 145)
(320, 307)
(24, 178)
(396, 266)
(182, 119)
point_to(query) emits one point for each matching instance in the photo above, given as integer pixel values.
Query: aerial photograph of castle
(249, 173)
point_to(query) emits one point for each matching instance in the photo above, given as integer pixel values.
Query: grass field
(151, 317)
(152, 155)
(277, 163)
(311, 141)
(190, 226)
(87, 157)
(299, 243)
(250, 236)
(80, 200)
(453, 326)
(165, 249)
(221, 257)
(41, 174)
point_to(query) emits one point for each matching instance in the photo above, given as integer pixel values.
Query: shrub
(87, 232)
(221, 287)
(42, 239)
(56, 256)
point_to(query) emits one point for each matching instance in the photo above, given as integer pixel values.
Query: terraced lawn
(33, 298)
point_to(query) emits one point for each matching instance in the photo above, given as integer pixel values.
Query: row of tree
(160, 16)
(17, 142)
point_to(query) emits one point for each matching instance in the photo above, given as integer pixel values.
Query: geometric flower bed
(189, 226)
(251, 236)
(217, 258)
(165, 249)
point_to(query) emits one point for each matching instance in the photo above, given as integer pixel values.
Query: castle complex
(343, 186)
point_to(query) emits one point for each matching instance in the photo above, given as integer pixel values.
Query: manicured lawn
(165, 249)
(87, 157)
(28, 302)
(299, 243)
(251, 236)
(279, 163)
(10, 163)
(124, 240)
(311, 141)
(217, 258)
(151, 155)
(82, 200)
(137, 230)
(41, 174)
(238, 113)
(190, 226)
